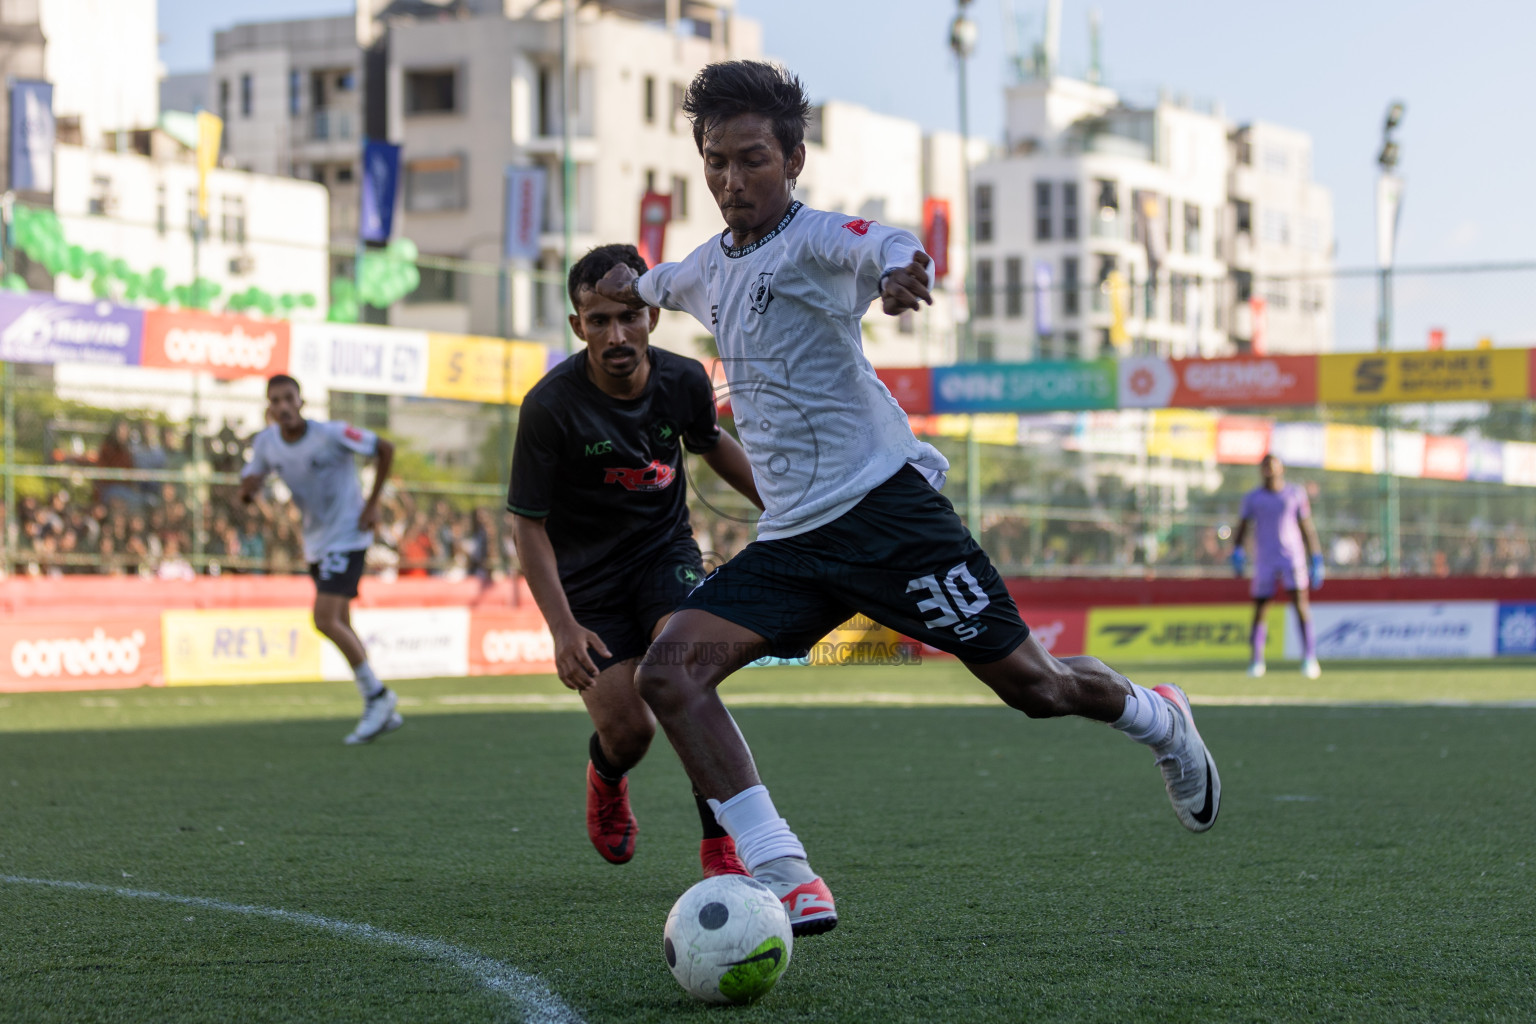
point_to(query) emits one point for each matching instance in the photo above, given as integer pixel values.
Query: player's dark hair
(734, 87)
(587, 271)
(282, 378)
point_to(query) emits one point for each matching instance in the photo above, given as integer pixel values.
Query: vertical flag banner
(936, 235)
(1115, 285)
(655, 211)
(1389, 207)
(32, 136)
(1042, 298)
(209, 131)
(1258, 335)
(381, 178)
(525, 213)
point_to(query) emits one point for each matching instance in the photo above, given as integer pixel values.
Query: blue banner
(32, 136)
(381, 178)
(1517, 629)
(1041, 386)
(524, 206)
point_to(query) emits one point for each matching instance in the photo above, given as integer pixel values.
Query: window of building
(1069, 286)
(1243, 215)
(1276, 227)
(1042, 211)
(1069, 210)
(650, 99)
(1244, 151)
(983, 218)
(986, 349)
(984, 305)
(224, 99)
(678, 120)
(1277, 294)
(247, 88)
(549, 121)
(194, 224)
(679, 197)
(100, 202)
(1071, 345)
(1149, 306)
(437, 285)
(432, 91)
(232, 221)
(161, 212)
(1178, 287)
(1277, 161)
(295, 92)
(650, 179)
(1192, 238)
(1107, 223)
(435, 184)
(1242, 285)
(1013, 296)
(344, 174)
(345, 81)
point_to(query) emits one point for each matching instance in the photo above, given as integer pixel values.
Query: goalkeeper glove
(1239, 561)
(1317, 571)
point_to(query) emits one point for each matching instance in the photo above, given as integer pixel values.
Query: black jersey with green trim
(607, 473)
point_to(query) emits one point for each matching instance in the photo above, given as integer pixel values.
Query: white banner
(356, 357)
(406, 643)
(1400, 629)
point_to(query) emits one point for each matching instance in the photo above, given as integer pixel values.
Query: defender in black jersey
(600, 507)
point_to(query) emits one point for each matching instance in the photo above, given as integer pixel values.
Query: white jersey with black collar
(819, 428)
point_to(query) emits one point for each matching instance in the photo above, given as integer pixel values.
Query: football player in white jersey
(315, 460)
(853, 519)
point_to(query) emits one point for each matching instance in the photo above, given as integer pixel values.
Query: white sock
(760, 834)
(367, 683)
(1148, 718)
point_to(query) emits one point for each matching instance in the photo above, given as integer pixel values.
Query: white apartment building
(263, 230)
(1092, 192)
(1280, 226)
(292, 100)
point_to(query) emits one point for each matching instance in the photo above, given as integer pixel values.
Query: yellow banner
(1192, 632)
(860, 641)
(1352, 449)
(209, 131)
(268, 645)
(1374, 378)
(476, 369)
(991, 427)
(1188, 434)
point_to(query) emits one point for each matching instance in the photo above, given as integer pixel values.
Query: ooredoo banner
(510, 642)
(230, 645)
(91, 654)
(1402, 629)
(406, 643)
(225, 346)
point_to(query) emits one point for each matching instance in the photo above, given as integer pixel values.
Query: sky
(1327, 67)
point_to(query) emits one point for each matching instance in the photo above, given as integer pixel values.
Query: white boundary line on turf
(539, 1004)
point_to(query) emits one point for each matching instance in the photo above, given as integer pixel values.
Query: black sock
(712, 829)
(600, 763)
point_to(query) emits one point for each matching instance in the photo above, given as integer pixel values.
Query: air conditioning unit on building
(242, 264)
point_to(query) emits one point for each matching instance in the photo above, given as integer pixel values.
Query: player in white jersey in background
(853, 520)
(315, 460)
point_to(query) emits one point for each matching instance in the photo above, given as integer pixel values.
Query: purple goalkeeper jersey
(1277, 537)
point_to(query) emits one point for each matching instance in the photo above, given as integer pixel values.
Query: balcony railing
(330, 124)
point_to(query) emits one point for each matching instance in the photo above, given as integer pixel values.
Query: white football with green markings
(728, 940)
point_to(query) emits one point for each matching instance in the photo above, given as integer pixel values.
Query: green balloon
(14, 283)
(101, 286)
(76, 262)
(307, 300)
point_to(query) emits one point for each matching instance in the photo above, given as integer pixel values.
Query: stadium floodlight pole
(567, 164)
(962, 40)
(1389, 204)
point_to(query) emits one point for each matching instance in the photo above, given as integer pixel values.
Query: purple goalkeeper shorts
(1291, 575)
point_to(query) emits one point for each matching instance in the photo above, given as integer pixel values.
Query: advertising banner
(37, 328)
(1517, 629)
(1242, 440)
(1299, 444)
(32, 136)
(225, 346)
(1191, 632)
(1401, 629)
(1352, 449)
(1485, 461)
(509, 642)
(528, 362)
(465, 367)
(1405, 453)
(1146, 382)
(655, 214)
(1187, 434)
(358, 357)
(1520, 463)
(1151, 382)
(1462, 375)
(99, 653)
(1025, 387)
(912, 387)
(936, 236)
(1445, 458)
(1059, 631)
(268, 645)
(525, 213)
(376, 197)
(406, 643)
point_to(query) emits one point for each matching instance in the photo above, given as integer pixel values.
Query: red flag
(936, 235)
(655, 212)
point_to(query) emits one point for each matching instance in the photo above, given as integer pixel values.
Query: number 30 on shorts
(959, 597)
(333, 564)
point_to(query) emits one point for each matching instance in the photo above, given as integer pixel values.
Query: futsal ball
(728, 939)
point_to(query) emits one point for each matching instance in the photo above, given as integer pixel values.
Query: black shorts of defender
(337, 573)
(900, 556)
(639, 596)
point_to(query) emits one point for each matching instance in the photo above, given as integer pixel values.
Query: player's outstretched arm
(537, 555)
(729, 462)
(384, 456)
(906, 288)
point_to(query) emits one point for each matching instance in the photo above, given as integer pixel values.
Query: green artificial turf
(1371, 863)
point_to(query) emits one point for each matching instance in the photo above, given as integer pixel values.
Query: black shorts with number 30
(338, 572)
(900, 556)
